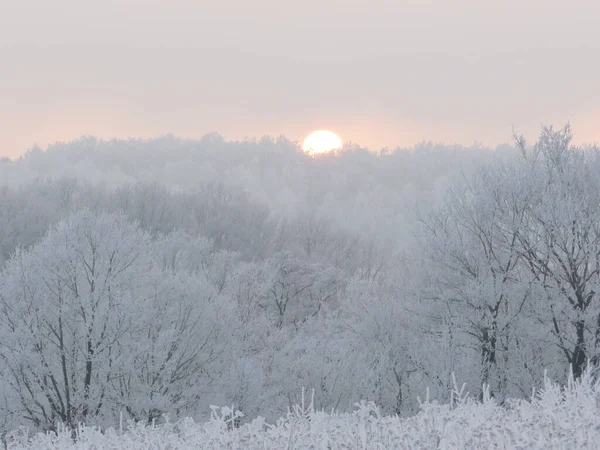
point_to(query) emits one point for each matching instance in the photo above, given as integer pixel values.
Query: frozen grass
(555, 418)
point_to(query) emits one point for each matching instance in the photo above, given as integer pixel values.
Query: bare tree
(91, 326)
(516, 251)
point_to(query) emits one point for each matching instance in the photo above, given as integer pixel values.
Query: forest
(149, 280)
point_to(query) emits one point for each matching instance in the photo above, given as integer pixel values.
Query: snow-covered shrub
(564, 417)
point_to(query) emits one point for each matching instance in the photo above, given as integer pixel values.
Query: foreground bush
(555, 418)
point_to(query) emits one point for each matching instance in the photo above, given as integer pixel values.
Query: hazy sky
(379, 73)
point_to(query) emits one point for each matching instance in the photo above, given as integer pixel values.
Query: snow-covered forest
(143, 281)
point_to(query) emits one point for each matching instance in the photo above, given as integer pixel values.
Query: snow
(556, 417)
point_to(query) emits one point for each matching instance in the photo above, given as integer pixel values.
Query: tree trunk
(579, 359)
(488, 355)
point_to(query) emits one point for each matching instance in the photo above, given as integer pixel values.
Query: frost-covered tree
(91, 326)
(514, 262)
(66, 310)
(294, 289)
(560, 243)
(472, 245)
(179, 339)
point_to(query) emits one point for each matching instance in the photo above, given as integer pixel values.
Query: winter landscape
(218, 294)
(279, 225)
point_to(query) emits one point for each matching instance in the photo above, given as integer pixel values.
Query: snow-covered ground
(555, 418)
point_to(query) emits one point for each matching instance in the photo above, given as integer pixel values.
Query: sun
(321, 141)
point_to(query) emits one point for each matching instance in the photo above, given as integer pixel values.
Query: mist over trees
(159, 277)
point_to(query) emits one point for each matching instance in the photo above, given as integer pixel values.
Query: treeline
(365, 192)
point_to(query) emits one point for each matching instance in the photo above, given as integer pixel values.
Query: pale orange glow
(321, 141)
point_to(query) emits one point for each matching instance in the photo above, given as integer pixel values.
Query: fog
(356, 274)
(175, 267)
(374, 195)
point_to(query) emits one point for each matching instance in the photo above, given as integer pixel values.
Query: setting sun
(321, 141)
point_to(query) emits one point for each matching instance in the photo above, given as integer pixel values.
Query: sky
(380, 73)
